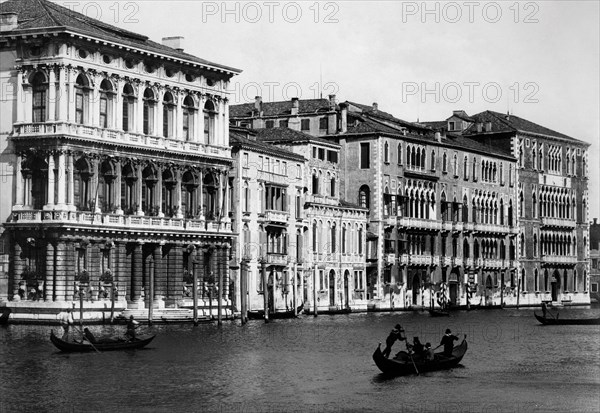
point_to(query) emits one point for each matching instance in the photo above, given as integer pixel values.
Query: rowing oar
(411, 359)
(84, 338)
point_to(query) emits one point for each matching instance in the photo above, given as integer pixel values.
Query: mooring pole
(263, 269)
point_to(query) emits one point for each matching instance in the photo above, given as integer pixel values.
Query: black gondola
(260, 314)
(567, 321)
(113, 345)
(405, 364)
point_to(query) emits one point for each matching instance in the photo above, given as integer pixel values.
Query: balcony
(447, 226)
(457, 226)
(277, 259)
(493, 263)
(276, 216)
(468, 227)
(421, 260)
(114, 221)
(559, 259)
(404, 259)
(469, 263)
(457, 261)
(491, 228)
(117, 136)
(420, 223)
(390, 258)
(390, 221)
(559, 223)
(445, 261)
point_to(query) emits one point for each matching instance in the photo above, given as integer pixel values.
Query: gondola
(567, 321)
(403, 365)
(260, 314)
(439, 313)
(113, 345)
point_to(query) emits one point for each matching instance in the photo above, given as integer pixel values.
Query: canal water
(321, 364)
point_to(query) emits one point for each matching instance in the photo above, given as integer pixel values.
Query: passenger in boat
(66, 321)
(416, 347)
(395, 334)
(429, 353)
(87, 334)
(448, 343)
(132, 324)
(544, 309)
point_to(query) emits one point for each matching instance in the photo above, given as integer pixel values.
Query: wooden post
(151, 291)
(81, 306)
(263, 269)
(192, 270)
(315, 310)
(219, 289)
(112, 301)
(518, 289)
(243, 290)
(502, 289)
(294, 288)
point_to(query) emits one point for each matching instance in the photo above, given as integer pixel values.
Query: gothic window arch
(386, 152)
(364, 197)
(128, 112)
(210, 115)
(39, 85)
(149, 106)
(168, 126)
(82, 99)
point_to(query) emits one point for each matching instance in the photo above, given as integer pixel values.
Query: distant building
(119, 155)
(595, 260)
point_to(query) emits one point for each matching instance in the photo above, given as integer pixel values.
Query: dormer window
(451, 125)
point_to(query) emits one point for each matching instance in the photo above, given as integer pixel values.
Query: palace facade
(120, 158)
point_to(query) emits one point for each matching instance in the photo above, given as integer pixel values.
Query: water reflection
(308, 364)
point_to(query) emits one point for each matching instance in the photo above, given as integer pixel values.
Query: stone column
(62, 181)
(62, 284)
(118, 110)
(200, 125)
(49, 293)
(137, 273)
(138, 170)
(70, 183)
(50, 182)
(118, 182)
(72, 73)
(63, 98)
(18, 177)
(178, 194)
(158, 131)
(175, 274)
(201, 195)
(20, 97)
(138, 126)
(158, 192)
(17, 264)
(94, 102)
(51, 95)
(119, 269)
(160, 282)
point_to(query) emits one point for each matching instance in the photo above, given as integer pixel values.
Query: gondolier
(66, 321)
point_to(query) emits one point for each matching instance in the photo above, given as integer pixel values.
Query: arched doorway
(453, 286)
(416, 288)
(331, 288)
(555, 285)
(489, 285)
(346, 290)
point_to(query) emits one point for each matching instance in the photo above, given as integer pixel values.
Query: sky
(539, 60)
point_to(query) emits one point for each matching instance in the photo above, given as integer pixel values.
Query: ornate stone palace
(120, 158)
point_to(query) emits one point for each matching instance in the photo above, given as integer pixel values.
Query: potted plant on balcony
(83, 277)
(107, 277)
(33, 283)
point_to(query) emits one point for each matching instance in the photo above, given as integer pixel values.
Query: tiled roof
(305, 106)
(239, 138)
(511, 123)
(436, 124)
(461, 114)
(369, 111)
(287, 135)
(44, 15)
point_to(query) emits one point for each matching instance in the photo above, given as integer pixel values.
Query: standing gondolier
(66, 321)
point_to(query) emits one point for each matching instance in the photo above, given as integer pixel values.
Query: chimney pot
(295, 106)
(375, 107)
(174, 42)
(8, 21)
(258, 105)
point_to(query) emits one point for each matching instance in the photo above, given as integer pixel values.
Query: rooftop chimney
(258, 105)
(344, 118)
(438, 136)
(507, 117)
(8, 22)
(331, 101)
(174, 42)
(295, 106)
(374, 106)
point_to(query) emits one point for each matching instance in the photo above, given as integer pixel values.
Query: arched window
(315, 183)
(386, 152)
(210, 115)
(189, 198)
(444, 163)
(149, 187)
(40, 95)
(432, 160)
(209, 196)
(106, 187)
(168, 115)
(188, 118)
(332, 187)
(82, 99)
(106, 104)
(360, 240)
(82, 191)
(128, 107)
(399, 154)
(455, 165)
(149, 107)
(314, 237)
(364, 197)
(333, 238)
(169, 183)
